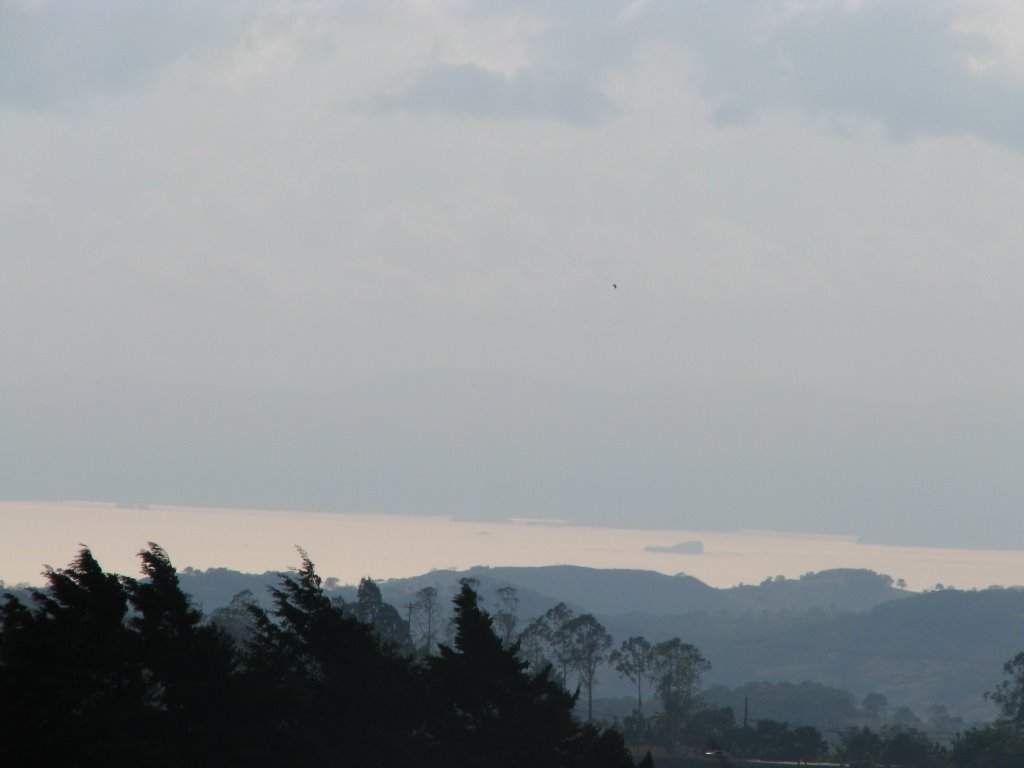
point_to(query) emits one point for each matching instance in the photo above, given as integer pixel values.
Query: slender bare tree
(589, 642)
(634, 660)
(426, 613)
(507, 616)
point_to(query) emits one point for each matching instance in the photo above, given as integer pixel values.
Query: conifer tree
(70, 687)
(188, 664)
(323, 691)
(489, 710)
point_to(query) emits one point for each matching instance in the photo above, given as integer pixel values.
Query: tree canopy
(102, 669)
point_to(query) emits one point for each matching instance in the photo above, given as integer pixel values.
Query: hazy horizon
(351, 546)
(497, 445)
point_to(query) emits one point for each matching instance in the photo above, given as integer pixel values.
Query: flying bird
(615, 285)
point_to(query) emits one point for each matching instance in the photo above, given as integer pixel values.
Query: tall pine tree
(489, 710)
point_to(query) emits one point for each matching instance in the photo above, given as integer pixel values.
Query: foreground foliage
(109, 670)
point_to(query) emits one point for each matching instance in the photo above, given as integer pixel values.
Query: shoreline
(350, 545)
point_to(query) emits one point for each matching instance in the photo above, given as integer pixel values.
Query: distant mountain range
(614, 592)
(846, 628)
(606, 592)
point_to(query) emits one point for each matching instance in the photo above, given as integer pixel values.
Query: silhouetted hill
(846, 628)
(625, 591)
(945, 647)
(610, 591)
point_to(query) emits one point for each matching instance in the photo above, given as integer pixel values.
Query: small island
(682, 548)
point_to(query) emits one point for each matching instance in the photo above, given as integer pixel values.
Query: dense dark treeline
(109, 670)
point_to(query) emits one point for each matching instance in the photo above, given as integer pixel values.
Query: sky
(360, 257)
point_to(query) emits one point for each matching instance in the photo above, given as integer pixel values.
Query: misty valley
(545, 666)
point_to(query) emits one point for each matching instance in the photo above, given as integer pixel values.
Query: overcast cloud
(818, 199)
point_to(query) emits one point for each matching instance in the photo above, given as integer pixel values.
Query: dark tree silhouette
(859, 745)
(772, 740)
(1009, 694)
(69, 685)
(107, 670)
(188, 664)
(322, 689)
(710, 727)
(489, 710)
(998, 745)
(388, 625)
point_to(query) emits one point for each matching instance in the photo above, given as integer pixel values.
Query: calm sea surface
(350, 546)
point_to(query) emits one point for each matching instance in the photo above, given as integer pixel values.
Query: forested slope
(848, 628)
